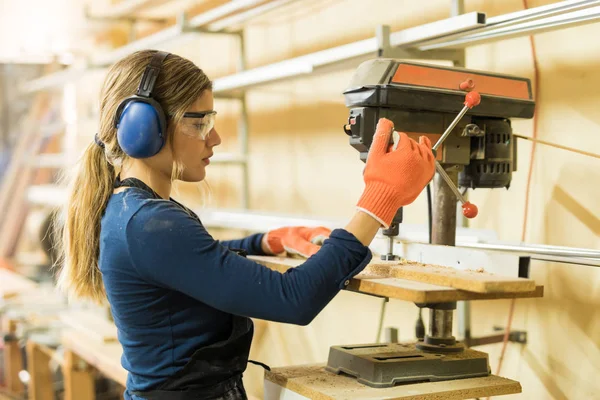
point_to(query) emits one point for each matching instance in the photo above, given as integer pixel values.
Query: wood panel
(78, 378)
(41, 386)
(13, 359)
(314, 382)
(380, 280)
(472, 281)
(105, 357)
(12, 284)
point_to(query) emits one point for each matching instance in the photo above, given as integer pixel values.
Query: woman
(182, 301)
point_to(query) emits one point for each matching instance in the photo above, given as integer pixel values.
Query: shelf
(348, 55)
(124, 9)
(435, 40)
(234, 11)
(537, 20)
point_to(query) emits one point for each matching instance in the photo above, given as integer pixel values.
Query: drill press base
(388, 364)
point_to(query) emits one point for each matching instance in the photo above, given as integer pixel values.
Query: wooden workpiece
(313, 382)
(413, 282)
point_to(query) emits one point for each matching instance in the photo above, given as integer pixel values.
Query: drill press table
(313, 382)
(404, 281)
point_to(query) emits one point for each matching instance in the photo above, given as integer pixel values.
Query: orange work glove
(394, 177)
(300, 240)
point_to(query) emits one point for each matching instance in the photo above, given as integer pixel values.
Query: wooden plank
(8, 396)
(472, 281)
(12, 176)
(12, 284)
(18, 207)
(41, 384)
(13, 359)
(78, 379)
(372, 281)
(105, 357)
(314, 382)
(95, 327)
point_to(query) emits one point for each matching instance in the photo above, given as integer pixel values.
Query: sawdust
(387, 268)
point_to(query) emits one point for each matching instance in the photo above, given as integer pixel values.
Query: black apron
(214, 372)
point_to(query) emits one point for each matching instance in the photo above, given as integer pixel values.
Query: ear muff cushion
(140, 127)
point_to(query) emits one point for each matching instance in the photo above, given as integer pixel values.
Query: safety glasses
(199, 124)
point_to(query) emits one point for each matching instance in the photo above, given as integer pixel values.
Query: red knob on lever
(469, 210)
(472, 99)
(467, 85)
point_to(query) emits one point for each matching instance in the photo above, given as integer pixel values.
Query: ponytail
(89, 193)
(181, 83)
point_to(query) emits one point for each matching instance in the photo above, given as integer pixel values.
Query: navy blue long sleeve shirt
(172, 288)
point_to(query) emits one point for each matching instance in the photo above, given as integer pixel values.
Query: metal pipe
(440, 323)
(537, 249)
(518, 17)
(463, 320)
(227, 23)
(260, 222)
(449, 182)
(457, 7)
(124, 9)
(560, 21)
(243, 131)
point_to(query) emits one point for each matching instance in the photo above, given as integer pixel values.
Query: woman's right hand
(394, 177)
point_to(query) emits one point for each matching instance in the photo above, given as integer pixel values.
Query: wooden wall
(301, 163)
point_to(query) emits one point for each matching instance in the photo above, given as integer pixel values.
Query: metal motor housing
(422, 99)
(493, 156)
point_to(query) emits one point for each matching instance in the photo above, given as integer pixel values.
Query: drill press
(477, 151)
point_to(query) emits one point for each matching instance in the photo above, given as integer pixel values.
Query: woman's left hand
(298, 240)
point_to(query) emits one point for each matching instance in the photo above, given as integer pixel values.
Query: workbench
(12, 286)
(90, 344)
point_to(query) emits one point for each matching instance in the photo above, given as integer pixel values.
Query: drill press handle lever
(472, 99)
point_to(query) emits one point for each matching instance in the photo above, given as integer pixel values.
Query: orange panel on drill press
(442, 78)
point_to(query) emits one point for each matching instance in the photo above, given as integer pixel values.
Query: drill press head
(423, 99)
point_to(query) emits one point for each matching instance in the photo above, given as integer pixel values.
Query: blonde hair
(180, 84)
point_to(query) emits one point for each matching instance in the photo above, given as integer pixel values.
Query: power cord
(381, 318)
(429, 212)
(419, 325)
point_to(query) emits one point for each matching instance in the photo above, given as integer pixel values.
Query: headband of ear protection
(140, 121)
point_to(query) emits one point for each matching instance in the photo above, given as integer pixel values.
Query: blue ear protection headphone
(140, 121)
